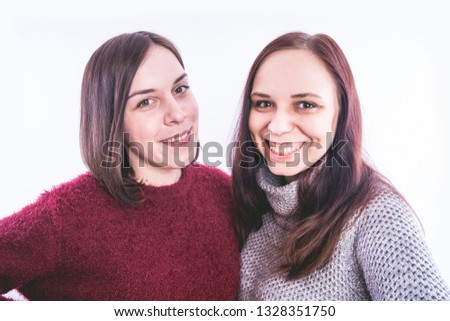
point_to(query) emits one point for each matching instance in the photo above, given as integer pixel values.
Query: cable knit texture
(78, 243)
(380, 256)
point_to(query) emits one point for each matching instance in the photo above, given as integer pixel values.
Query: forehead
(158, 68)
(293, 70)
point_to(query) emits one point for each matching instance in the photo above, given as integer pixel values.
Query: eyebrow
(260, 95)
(150, 90)
(301, 95)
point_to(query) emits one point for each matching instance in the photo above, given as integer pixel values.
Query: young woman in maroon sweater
(145, 223)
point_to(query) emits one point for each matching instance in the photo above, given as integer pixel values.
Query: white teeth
(177, 138)
(280, 150)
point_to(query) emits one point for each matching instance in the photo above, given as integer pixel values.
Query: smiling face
(294, 104)
(161, 115)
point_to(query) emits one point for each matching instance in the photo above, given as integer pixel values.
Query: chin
(283, 170)
(181, 158)
(186, 160)
(180, 163)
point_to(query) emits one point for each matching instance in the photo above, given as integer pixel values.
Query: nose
(174, 112)
(280, 122)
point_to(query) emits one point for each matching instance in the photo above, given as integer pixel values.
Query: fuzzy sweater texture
(78, 243)
(380, 256)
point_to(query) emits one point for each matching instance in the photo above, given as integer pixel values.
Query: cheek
(142, 129)
(255, 125)
(127, 123)
(319, 127)
(192, 114)
(191, 107)
(332, 124)
(131, 131)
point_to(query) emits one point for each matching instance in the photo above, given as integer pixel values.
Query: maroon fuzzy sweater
(78, 243)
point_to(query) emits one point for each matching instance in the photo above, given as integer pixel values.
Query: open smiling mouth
(283, 149)
(179, 139)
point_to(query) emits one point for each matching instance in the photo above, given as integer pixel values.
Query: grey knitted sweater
(381, 256)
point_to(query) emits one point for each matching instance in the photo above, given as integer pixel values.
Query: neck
(156, 176)
(290, 179)
(282, 197)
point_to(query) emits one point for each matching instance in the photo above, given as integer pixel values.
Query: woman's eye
(305, 105)
(263, 104)
(146, 102)
(181, 89)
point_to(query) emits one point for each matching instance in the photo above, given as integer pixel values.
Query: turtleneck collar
(283, 198)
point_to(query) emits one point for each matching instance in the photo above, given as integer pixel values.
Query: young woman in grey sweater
(316, 222)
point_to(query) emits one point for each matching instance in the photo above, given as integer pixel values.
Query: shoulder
(84, 183)
(388, 211)
(51, 204)
(388, 227)
(81, 190)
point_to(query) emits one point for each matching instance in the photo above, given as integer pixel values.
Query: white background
(399, 52)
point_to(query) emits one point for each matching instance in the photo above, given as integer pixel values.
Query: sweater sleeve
(28, 245)
(393, 255)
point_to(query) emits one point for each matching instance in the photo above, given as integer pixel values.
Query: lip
(175, 139)
(284, 144)
(276, 157)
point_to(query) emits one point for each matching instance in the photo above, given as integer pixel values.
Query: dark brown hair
(330, 195)
(106, 84)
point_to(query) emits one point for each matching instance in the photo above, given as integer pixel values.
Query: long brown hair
(329, 195)
(105, 87)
